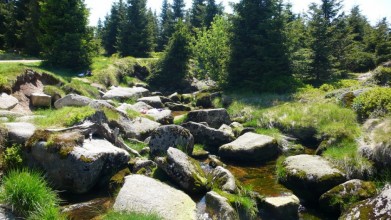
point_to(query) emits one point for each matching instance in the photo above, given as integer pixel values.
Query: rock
(250, 147)
(146, 195)
(72, 100)
(145, 167)
(185, 171)
(210, 137)
(340, 197)
(6, 213)
(7, 102)
(309, 176)
(219, 207)
(177, 107)
(203, 100)
(171, 136)
(41, 100)
(282, 207)
(215, 161)
(88, 210)
(214, 117)
(175, 97)
(139, 128)
(227, 129)
(122, 93)
(153, 101)
(19, 132)
(162, 116)
(378, 207)
(187, 98)
(164, 99)
(224, 180)
(138, 107)
(237, 128)
(348, 97)
(79, 168)
(28, 118)
(4, 113)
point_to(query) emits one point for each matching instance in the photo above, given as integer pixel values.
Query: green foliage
(178, 120)
(373, 103)
(212, 50)
(130, 215)
(382, 76)
(173, 67)
(65, 37)
(13, 157)
(178, 7)
(53, 90)
(79, 87)
(242, 202)
(63, 117)
(197, 14)
(280, 169)
(112, 25)
(28, 194)
(138, 146)
(166, 25)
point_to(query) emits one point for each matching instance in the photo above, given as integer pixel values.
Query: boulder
(72, 100)
(146, 195)
(80, 167)
(5, 113)
(19, 132)
(143, 166)
(237, 128)
(214, 117)
(224, 179)
(210, 137)
(40, 100)
(378, 207)
(139, 128)
(227, 129)
(281, 207)
(175, 97)
(309, 176)
(162, 116)
(171, 136)
(340, 197)
(187, 98)
(251, 147)
(348, 97)
(184, 170)
(88, 210)
(7, 102)
(219, 207)
(122, 93)
(177, 107)
(153, 101)
(138, 107)
(6, 213)
(203, 100)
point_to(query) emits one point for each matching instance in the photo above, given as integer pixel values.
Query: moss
(86, 159)
(180, 119)
(64, 143)
(281, 171)
(63, 117)
(245, 206)
(118, 179)
(111, 114)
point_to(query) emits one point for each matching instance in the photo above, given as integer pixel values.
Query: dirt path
(20, 61)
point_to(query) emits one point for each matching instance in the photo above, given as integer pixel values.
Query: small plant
(130, 215)
(28, 194)
(13, 157)
(280, 169)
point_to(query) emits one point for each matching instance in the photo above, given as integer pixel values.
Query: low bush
(130, 215)
(373, 103)
(382, 76)
(63, 117)
(13, 158)
(29, 195)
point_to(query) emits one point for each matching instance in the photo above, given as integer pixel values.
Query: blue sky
(374, 10)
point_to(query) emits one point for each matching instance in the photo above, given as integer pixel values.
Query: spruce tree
(65, 38)
(112, 26)
(198, 14)
(135, 35)
(178, 8)
(212, 9)
(166, 26)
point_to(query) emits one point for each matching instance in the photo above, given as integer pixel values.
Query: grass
(53, 90)
(138, 146)
(15, 56)
(81, 88)
(29, 195)
(178, 120)
(280, 169)
(245, 206)
(130, 215)
(63, 117)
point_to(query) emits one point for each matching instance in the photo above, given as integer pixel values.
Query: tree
(112, 26)
(212, 9)
(382, 37)
(258, 55)
(153, 24)
(173, 67)
(198, 14)
(135, 35)
(65, 38)
(178, 8)
(166, 26)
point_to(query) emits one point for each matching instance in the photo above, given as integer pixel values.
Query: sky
(374, 10)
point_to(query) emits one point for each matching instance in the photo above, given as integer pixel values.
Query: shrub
(373, 103)
(130, 215)
(382, 75)
(326, 87)
(28, 193)
(13, 157)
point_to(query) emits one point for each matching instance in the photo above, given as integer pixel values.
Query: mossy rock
(204, 100)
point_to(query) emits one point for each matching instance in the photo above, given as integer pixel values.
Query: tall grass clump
(27, 193)
(63, 117)
(130, 215)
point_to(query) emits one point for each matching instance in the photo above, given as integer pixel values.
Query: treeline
(262, 46)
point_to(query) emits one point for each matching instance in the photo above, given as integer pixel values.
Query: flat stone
(7, 102)
(153, 101)
(138, 107)
(140, 128)
(214, 117)
(162, 116)
(41, 100)
(146, 195)
(282, 207)
(219, 207)
(72, 100)
(19, 132)
(122, 93)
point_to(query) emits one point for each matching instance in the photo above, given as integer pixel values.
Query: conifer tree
(198, 14)
(112, 26)
(212, 9)
(65, 38)
(166, 26)
(178, 8)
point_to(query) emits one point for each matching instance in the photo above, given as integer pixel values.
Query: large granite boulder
(19, 132)
(7, 102)
(224, 180)
(210, 137)
(153, 101)
(214, 117)
(168, 136)
(77, 165)
(122, 93)
(162, 116)
(40, 100)
(139, 128)
(309, 176)
(281, 207)
(378, 207)
(146, 195)
(138, 107)
(219, 208)
(177, 106)
(72, 100)
(251, 147)
(184, 170)
(340, 197)
(203, 100)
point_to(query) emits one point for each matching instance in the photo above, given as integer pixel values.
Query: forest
(194, 113)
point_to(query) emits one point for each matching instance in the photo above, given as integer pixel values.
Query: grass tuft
(130, 215)
(63, 117)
